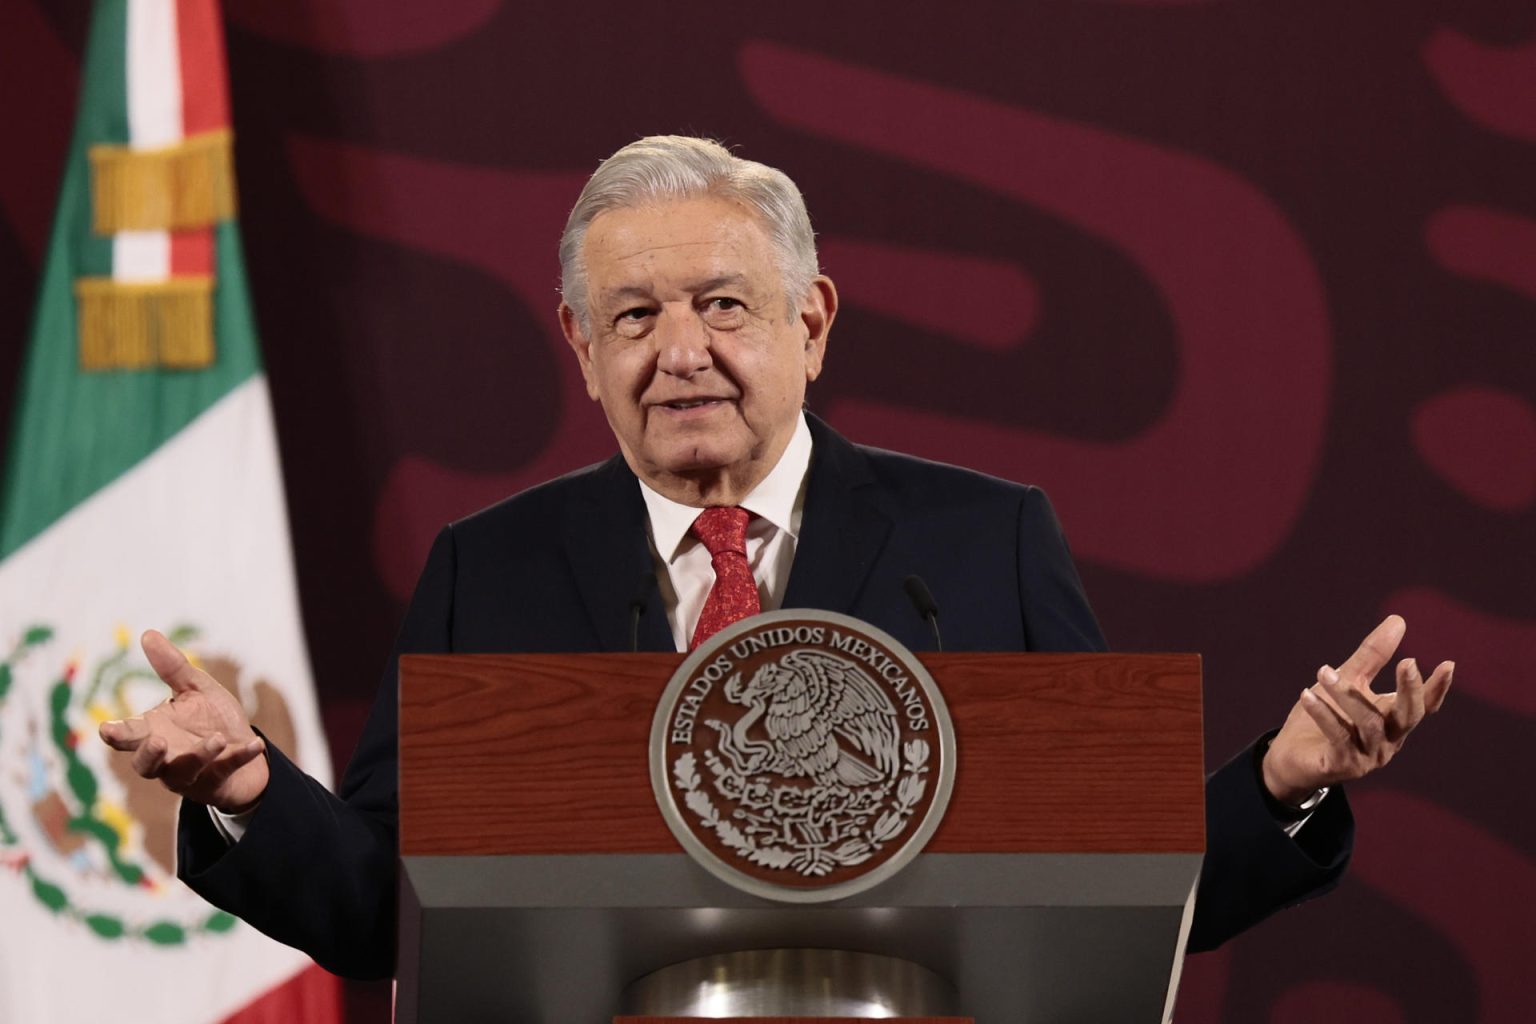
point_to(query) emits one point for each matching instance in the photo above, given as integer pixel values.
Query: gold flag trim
(135, 326)
(188, 185)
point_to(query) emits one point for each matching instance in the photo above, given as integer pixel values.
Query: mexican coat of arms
(802, 755)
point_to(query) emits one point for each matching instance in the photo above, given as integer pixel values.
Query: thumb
(170, 664)
(125, 734)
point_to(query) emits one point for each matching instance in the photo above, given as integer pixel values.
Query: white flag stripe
(197, 530)
(141, 256)
(154, 74)
(153, 59)
(196, 534)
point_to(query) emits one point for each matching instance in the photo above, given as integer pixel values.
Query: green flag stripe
(103, 114)
(102, 120)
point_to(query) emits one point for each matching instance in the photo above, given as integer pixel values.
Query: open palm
(1340, 729)
(199, 742)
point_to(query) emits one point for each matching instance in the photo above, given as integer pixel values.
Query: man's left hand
(1340, 729)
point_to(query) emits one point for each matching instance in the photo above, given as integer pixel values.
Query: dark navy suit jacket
(557, 568)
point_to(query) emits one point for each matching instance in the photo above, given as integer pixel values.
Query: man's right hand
(199, 743)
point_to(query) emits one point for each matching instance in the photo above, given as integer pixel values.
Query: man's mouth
(691, 403)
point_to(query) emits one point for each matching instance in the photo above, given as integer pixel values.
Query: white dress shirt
(684, 570)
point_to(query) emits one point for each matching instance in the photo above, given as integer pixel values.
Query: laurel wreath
(888, 826)
(85, 789)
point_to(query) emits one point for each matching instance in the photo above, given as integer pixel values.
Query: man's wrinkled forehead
(687, 245)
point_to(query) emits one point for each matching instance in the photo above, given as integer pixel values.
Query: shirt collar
(774, 499)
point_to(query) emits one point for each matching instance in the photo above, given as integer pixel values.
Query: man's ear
(817, 312)
(570, 326)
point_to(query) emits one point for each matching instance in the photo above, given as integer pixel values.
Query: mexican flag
(141, 489)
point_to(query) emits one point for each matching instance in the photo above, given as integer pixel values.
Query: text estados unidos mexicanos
(908, 693)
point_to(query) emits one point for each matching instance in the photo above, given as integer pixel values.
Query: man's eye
(725, 302)
(632, 315)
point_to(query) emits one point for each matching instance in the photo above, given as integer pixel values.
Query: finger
(149, 758)
(1374, 651)
(1331, 722)
(1408, 709)
(1328, 677)
(170, 664)
(244, 754)
(234, 759)
(201, 778)
(1438, 686)
(1364, 715)
(125, 734)
(181, 772)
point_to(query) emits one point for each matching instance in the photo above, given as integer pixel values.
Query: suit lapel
(842, 534)
(610, 556)
(843, 530)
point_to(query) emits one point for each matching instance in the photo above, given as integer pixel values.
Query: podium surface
(539, 879)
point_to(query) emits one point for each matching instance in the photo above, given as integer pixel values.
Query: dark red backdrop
(1248, 287)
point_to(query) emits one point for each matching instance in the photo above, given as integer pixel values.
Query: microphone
(637, 608)
(922, 600)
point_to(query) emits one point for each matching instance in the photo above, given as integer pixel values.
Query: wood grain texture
(547, 754)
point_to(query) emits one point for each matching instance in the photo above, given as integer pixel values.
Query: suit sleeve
(316, 870)
(1252, 868)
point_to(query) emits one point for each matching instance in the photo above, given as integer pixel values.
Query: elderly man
(694, 306)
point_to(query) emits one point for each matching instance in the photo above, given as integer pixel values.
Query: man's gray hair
(663, 168)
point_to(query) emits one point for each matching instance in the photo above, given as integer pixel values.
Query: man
(695, 308)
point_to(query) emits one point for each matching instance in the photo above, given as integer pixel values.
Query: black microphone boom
(922, 600)
(637, 608)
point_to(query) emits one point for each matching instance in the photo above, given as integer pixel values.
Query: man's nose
(682, 343)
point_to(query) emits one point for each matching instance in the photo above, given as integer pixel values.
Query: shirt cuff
(1307, 806)
(231, 826)
(1289, 818)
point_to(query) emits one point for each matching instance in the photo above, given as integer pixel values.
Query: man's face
(691, 347)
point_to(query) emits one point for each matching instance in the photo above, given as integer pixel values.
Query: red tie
(723, 531)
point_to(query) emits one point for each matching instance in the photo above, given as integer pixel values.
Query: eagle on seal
(825, 718)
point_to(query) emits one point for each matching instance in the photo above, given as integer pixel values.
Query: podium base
(789, 983)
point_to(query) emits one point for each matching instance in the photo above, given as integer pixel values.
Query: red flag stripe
(204, 107)
(192, 252)
(313, 996)
(204, 77)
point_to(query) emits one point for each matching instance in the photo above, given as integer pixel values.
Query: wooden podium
(539, 879)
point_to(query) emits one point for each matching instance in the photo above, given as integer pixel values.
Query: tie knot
(722, 529)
